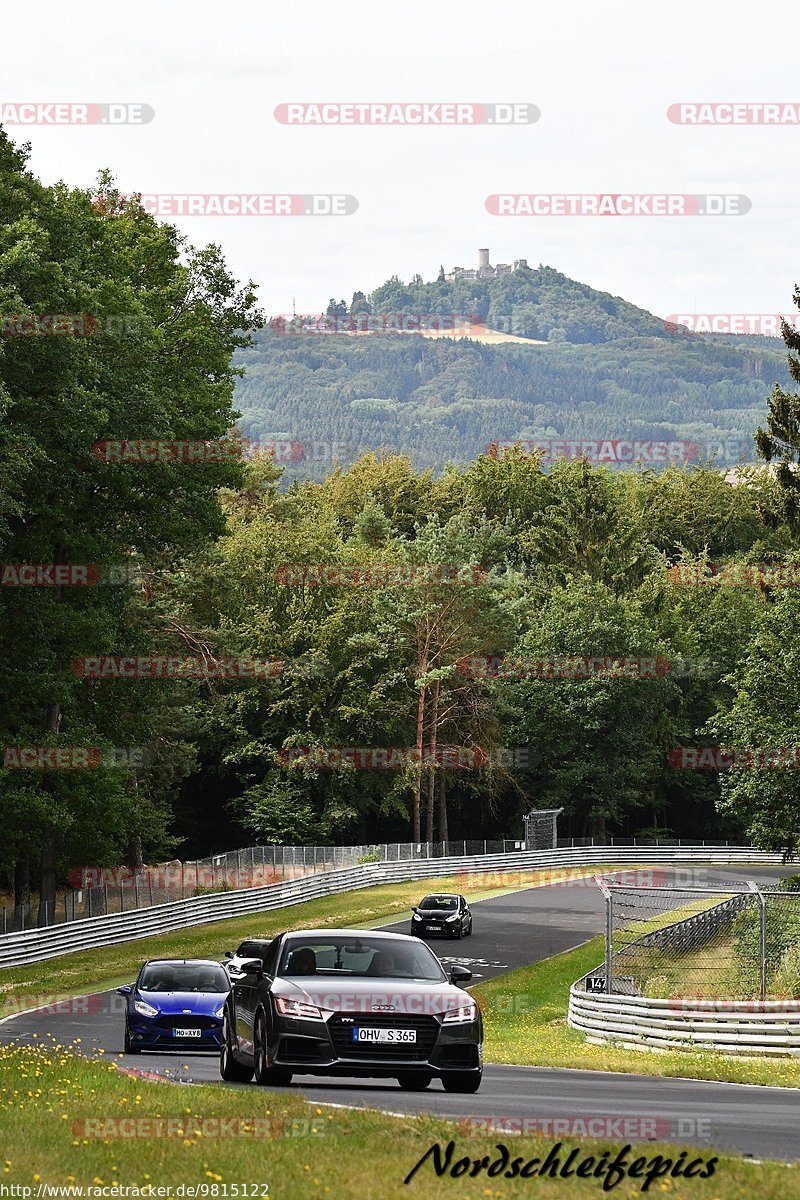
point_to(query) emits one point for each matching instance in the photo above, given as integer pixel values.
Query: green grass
(525, 1018)
(55, 1111)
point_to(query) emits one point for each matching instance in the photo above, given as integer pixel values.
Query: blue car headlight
(218, 1012)
(144, 1009)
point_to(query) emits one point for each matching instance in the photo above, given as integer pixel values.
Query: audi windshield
(365, 957)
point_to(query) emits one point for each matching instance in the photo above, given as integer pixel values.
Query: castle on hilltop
(485, 270)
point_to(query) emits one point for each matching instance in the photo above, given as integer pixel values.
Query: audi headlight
(465, 1012)
(298, 1008)
(144, 1009)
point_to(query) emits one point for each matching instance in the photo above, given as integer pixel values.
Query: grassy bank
(525, 1017)
(58, 1114)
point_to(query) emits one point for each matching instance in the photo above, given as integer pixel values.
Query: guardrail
(694, 931)
(37, 944)
(749, 1027)
(635, 1022)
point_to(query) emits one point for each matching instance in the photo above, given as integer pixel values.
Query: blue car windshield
(183, 977)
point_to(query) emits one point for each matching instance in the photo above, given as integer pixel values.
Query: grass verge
(57, 1113)
(525, 1019)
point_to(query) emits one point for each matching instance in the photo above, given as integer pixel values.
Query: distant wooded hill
(609, 370)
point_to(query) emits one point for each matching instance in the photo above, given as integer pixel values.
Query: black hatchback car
(442, 913)
(352, 1002)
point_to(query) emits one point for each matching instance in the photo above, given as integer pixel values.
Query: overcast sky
(603, 77)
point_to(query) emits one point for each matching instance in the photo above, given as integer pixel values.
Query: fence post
(135, 892)
(609, 899)
(5, 921)
(122, 895)
(762, 937)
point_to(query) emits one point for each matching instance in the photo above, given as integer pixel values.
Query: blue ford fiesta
(175, 1004)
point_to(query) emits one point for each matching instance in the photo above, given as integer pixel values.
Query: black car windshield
(252, 950)
(450, 903)
(365, 956)
(183, 977)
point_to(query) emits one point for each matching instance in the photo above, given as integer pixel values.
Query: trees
(763, 716)
(780, 441)
(162, 373)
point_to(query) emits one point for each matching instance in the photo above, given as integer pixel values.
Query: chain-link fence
(683, 942)
(98, 890)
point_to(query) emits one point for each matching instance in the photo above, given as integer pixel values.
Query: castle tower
(483, 259)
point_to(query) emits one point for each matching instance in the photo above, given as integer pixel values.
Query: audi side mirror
(459, 974)
(229, 954)
(252, 966)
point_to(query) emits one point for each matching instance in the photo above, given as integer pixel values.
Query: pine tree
(781, 439)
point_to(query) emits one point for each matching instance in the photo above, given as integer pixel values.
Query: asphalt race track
(511, 931)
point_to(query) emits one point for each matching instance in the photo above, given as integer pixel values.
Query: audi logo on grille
(383, 1007)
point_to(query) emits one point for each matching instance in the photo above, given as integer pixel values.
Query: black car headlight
(462, 1014)
(416, 917)
(297, 1008)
